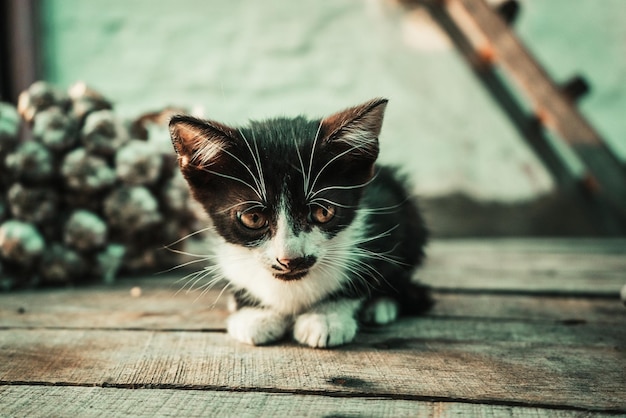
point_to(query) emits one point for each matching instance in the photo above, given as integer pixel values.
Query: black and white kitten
(314, 236)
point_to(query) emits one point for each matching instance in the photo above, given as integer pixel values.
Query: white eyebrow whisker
(304, 175)
(256, 182)
(332, 160)
(253, 205)
(234, 179)
(317, 201)
(256, 158)
(356, 186)
(308, 176)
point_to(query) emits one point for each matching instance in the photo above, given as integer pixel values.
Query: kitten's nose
(284, 262)
(298, 263)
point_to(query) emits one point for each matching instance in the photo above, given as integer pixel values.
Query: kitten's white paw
(328, 325)
(257, 326)
(321, 330)
(380, 311)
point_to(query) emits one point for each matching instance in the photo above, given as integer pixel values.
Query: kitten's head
(282, 188)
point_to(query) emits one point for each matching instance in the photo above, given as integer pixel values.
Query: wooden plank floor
(521, 328)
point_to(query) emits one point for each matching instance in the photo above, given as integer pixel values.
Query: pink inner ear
(198, 142)
(197, 147)
(207, 152)
(357, 126)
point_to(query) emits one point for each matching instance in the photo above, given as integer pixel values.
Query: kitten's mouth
(292, 275)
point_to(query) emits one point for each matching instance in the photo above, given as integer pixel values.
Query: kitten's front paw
(324, 330)
(257, 326)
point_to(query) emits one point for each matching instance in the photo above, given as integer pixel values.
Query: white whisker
(307, 179)
(199, 278)
(191, 279)
(253, 205)
(365, 239)
(188, 254)
(383, 209)
(188, 263)
(235, 179)
(188, 236)
(254, 178)
(257, 162)
(259, 166)
(332, 160)
(226, 286)
(328, 202)
(325, 189)
(304, 176)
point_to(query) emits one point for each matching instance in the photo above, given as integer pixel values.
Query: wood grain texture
(39, 401)
(479, 370)
(585, 267)
(160, 307)
(478, 352)
(528, 307)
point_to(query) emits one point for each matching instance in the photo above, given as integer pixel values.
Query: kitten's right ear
(356, 128)
(198, 142)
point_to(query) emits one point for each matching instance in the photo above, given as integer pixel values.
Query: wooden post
(23, 65)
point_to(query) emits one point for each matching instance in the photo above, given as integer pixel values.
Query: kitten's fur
(314, 235)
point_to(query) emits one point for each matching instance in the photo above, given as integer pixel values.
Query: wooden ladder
(483, 36)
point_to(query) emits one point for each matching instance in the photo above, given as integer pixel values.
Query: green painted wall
(241, 59)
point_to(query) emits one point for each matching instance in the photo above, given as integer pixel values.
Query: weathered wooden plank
(582, 246)
(475, 371)
(529, 308)
(40, 401)
(558, 267)
(161, 307)
(455, 317)
(556, 334)
(484, 347)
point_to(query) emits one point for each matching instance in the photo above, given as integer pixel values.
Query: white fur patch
(380, 311)
(250, 268)
(257, 326)
(328, 325)
(317, 325)
(285, 244)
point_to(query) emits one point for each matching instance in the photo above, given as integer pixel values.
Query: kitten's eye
(322, 214)
(252, 220)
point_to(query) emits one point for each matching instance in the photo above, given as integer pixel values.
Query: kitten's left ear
(356, 128)
(199, 142)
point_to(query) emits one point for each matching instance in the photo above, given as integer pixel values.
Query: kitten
(314, 235)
